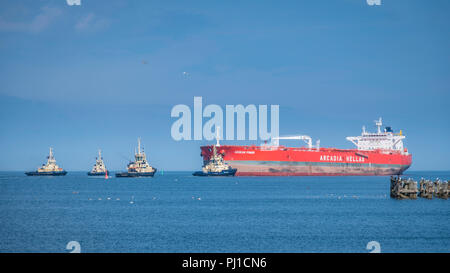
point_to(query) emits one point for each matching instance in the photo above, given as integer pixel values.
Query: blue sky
(99, 75)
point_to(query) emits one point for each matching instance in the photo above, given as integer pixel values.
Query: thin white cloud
(90, 22)
(44, 19)
(12, 26)
(40, 22)
(84, 22)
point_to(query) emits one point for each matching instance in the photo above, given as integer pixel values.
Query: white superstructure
(381, 140)
(51, 165)
(216, 163)
(140, 165)
(99, 166)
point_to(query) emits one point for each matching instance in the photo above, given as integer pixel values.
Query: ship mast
(379, 123)
(51, 159)
(99, 154)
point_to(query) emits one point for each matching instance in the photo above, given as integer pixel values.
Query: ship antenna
(51, 153)
(218, 136)
(99, 154)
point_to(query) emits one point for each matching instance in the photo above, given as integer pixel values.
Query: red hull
(284, 161)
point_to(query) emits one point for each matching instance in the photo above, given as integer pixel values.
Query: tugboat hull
(60, 173)
(136, 174)
(230, 172)
(96, 174)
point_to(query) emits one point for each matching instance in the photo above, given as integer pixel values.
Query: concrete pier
(403, 188)
(441, 189)
(426, 189)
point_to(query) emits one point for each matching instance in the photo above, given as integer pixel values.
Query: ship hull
(135, 174)
(308, 169)
(60, 173)
(285, 161)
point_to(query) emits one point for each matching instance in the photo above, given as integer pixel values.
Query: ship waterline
(52, 173)
(270, 168)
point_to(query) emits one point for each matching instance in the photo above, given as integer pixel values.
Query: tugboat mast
(51, 159)
(139, 145)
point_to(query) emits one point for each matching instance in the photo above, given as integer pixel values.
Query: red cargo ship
(380, 153)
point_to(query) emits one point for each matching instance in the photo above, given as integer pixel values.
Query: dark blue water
(177, 212)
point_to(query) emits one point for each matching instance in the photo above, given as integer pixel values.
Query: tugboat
(99, 168)
(215, 166)
(139, 167)
(49, 169)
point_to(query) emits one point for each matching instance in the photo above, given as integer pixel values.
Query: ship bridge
(383, 140)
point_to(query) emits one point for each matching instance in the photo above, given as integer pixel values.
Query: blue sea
(176, 212)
